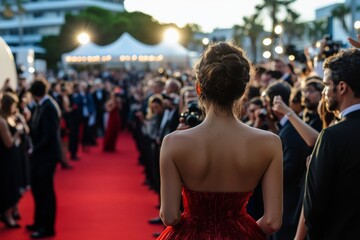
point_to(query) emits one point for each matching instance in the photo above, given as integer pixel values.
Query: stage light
(278, 29)
(83, 38)
(267, 54)
(205, 41)
(279, 50)
(267, 41)
(171, 35)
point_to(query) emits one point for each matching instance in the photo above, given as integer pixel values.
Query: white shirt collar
(350, 109)
(283, 121)
(46, 97)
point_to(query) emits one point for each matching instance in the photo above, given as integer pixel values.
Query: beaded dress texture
(214, 216)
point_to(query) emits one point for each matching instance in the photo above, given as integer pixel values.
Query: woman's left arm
(170, 190)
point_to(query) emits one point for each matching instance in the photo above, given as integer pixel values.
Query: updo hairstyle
(222, 72)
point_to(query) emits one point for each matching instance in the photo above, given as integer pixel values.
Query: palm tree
(251, 28)
(292, 27)
(340, 12)
(317, 29)
(8, 12)
(273, 7)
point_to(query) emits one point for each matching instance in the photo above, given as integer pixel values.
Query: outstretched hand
(355, 43)
(279, 105)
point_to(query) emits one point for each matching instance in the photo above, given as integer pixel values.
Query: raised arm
(355, 43)
(272, 188)
(305, 131)
(170, 190)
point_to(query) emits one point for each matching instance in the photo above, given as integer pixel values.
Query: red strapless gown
(112, 130)
(214, 216)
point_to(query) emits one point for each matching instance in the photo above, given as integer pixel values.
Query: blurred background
(40, 32)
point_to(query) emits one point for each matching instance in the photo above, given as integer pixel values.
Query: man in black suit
(100, 96)
(295, 152)
(332, 195)
(45, 134)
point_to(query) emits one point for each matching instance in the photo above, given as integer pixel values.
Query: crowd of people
(44, 123)
(198, 138)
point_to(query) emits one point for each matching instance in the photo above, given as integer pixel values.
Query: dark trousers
(156, 165)
(42, 186)
(74, 139)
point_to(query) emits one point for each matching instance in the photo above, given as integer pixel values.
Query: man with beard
(332, 195)
(311, 99)
(295, 152)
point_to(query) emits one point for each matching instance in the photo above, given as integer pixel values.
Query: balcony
(69, 5)
(36, 22)
(14, 39)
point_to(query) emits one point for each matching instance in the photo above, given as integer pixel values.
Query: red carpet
(101, 198)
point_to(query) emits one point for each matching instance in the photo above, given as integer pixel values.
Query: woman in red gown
(215, 166)
(113, 107)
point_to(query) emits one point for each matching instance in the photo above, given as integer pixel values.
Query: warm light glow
(357, 25)
(318, 44)
(267, 41)
(83, 38)
(291, 57)
(267, 54)
(31, 70)
(205, 41)
(278, 29)
(171, 35)
(279, 50)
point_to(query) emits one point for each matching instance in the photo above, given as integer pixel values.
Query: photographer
(325, 48)
(191, 117)
(256, 114)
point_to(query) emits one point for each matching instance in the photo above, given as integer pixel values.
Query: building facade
(42, 18)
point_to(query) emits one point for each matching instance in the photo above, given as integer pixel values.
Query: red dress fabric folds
(214, 216)
(112, 130)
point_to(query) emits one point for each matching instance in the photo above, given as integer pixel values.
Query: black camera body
(192, 115)
(263, 113)
(331, 47)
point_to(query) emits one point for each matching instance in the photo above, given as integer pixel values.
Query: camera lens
(263, 113)
(192, 120)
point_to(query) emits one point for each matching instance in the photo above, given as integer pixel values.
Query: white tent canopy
(127, 49)
(170, 49)
(8, 67)
(126, 45)
(89, 49)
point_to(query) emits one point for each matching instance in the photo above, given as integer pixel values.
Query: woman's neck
(217, 114)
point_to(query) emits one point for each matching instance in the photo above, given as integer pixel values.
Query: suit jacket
(332, 195)
(45, 133)
(100, 103)
(171, 124)
(295, 152)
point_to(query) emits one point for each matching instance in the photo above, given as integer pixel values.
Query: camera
(331, 47)
(263, 113)
(192, 115)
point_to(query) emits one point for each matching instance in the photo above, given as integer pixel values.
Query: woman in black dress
(10, 133)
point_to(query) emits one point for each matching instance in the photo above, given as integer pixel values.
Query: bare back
(222, 158)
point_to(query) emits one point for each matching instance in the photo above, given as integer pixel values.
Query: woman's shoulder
(263, 136)
(179, 136)
(260, 132)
